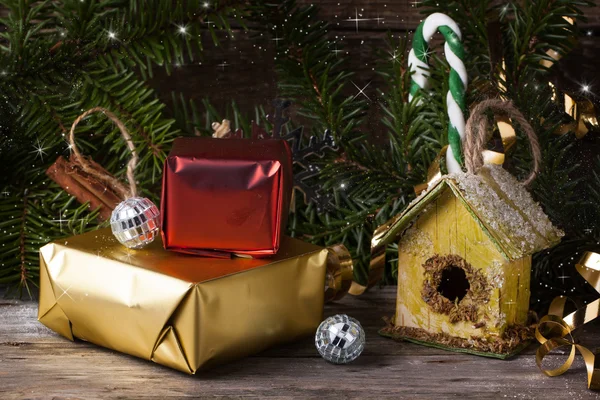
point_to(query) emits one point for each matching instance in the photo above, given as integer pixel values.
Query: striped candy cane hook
(455, 99)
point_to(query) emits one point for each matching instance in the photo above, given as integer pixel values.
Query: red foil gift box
(226, 196)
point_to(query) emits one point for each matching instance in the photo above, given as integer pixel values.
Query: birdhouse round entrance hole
(454, 287)
(454, 284)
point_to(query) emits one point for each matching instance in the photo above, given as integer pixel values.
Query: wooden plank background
(36, 363)
(249, 77)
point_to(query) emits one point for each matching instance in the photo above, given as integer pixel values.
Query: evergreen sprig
(58, 59)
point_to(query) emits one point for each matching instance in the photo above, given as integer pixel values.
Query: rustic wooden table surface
(37, 363)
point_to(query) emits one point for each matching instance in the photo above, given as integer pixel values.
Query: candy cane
(455, 99)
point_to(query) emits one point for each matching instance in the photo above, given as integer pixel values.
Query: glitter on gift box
(135, 222)
(340, 339)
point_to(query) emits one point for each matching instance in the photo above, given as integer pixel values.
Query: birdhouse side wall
(515, 292)
(446, 228)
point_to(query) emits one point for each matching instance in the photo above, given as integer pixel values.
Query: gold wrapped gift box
(182, 311)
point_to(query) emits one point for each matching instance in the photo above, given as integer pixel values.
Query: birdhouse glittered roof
(504, 209)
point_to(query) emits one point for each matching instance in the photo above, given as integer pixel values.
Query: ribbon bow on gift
(554, 330)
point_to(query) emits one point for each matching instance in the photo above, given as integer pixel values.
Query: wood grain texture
(396, 14)
(249, 78)
(35, 363)
(249, 75)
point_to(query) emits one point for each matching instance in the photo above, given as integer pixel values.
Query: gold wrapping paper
(554, 330)
(182, 311)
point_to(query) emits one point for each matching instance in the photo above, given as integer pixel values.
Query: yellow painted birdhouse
(464, 263)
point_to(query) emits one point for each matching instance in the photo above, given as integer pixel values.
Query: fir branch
(308, 72)
(57, 61)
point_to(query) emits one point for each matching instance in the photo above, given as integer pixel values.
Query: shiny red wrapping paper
(224, 196)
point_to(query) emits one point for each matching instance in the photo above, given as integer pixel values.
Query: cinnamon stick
(84, 187)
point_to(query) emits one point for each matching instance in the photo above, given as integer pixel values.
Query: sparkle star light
(336, 51)
(277, 39)
(128, 255)
(356, 20)
(182, 29)
(361, 91)
(40, 150)
(112, 35)
(223, 65)
(69, 146)
(60, 220)
(64, 292)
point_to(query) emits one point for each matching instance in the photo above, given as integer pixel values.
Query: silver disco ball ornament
(340, 339)
(135, 222)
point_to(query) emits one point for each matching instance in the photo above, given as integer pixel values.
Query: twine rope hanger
(478, 133)
(123, 190)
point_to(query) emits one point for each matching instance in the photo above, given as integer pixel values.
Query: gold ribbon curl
(553, 54)
(581, 110)
(340, 273)
(555, 329)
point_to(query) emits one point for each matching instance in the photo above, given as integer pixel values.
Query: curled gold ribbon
(340, 273)
(509, 138)
(581, 111)
(553, 54)
(555, 329)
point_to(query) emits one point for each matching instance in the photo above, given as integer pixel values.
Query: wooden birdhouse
(464, 263)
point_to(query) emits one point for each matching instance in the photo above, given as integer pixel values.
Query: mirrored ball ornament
(340, 339)
(135, 222)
